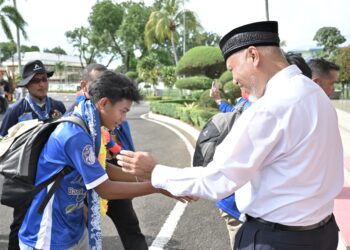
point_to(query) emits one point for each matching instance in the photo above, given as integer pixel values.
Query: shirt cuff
(160, 175)
(96, 182)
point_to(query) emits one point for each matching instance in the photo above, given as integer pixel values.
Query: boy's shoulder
(67, 130)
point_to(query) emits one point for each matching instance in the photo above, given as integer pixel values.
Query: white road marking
(167, 231)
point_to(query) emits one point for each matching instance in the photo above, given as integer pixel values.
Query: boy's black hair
(322, 67)
(115, 87)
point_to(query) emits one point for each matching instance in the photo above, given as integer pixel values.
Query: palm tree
(10, 13)
(163, 24)
(59, 68)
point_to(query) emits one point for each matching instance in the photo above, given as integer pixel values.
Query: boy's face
(112, 115)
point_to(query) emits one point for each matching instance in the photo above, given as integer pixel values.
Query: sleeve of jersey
(225, 107)
(81, 154)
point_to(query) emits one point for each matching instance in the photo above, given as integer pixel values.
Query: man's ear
(253, 55)
(84, 86)
(316, 80)
(101, 104)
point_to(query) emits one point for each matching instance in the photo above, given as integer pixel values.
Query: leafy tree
(59, 68)
(7, 49)
(56, 50)
(168, 76)
(343, 60)
(329, 38)
(86, 43)
(134, 20)
(25, 48)
(199, 38)
(148, 69)
(8, 14)
(163, 25)
(105, 20)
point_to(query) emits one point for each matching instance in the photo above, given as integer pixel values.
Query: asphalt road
(199, 227)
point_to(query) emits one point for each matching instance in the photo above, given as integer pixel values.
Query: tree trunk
(174, 48)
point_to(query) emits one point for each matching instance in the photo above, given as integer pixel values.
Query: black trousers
(18, 217)
(125, 220)
(254, 235)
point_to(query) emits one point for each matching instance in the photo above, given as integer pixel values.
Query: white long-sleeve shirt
(286, 148)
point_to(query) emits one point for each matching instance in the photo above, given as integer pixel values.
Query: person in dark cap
(36, 105)
(285, 151)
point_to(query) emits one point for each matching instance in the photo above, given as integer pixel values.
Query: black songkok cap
(253, 34)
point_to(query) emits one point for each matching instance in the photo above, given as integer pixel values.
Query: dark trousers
(258, 236)
(18, 217)
(125, 220)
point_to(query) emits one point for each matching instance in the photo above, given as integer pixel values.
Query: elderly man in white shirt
(287, 147)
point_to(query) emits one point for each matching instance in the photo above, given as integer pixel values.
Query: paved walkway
(342, 203)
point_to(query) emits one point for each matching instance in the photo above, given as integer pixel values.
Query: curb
(192, 131)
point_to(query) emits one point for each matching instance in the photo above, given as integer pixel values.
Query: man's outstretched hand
(140, 164)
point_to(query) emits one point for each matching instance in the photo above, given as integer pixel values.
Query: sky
(299, 20)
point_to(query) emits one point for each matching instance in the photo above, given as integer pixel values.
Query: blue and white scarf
(90, 115)
(43, 115)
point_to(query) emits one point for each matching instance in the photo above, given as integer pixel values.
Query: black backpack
(18, 162)
(212, 134)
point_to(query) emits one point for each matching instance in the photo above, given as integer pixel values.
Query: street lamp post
(267, 10)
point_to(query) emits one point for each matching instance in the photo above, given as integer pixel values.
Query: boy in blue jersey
(120, 211)
(62, 225)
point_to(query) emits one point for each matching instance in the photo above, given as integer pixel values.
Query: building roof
(48, 59)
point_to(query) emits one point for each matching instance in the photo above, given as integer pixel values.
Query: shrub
(132, 74)
(196, 94)
(206, 101)
(200, 117)
(202, 60)
(232, 91)
(195, 82)
(152, 98)
(226, 77)
(168, 109)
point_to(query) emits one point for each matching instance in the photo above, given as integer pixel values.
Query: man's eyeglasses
(39, 80)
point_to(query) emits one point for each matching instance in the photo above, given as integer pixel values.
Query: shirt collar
(281, 77)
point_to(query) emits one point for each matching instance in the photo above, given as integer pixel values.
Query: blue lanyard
(42, 114)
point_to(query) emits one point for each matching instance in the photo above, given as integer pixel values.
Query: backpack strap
(57, 178)
(73, 119)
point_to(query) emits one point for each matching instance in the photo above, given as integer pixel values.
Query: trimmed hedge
(194, 83)
(206, 101)
(232, 91)
(190, 114)
(202, 60)
(226, 77)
